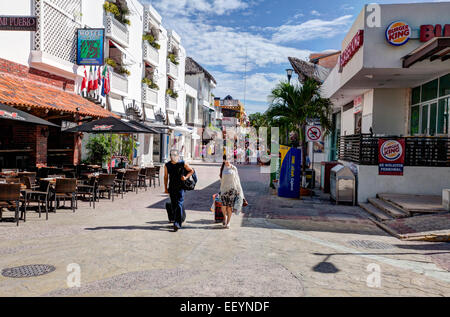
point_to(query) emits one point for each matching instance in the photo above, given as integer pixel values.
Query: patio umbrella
(10, 113)
(145, 127)
(110, 125)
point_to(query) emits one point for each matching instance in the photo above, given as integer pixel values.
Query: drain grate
(28, 270)
(367, 244)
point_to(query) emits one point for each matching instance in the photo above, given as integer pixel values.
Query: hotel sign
(18, 23)
(352, 48)
(90, 47)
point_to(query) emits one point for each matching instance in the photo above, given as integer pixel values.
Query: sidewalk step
(374, 211)
(388, 208)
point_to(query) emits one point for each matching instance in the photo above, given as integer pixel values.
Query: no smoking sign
(313, 134)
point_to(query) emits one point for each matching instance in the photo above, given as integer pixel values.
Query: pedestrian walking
(232, 195)
(174, 174)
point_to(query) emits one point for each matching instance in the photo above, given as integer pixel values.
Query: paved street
(279, 247)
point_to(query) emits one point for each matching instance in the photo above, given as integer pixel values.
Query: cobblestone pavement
(279, 247)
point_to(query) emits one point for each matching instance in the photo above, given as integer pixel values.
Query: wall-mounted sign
(90, 47)
(313, 133)
(398, 33)
(18, 23)
(358, 105)
(391, 156)
(428, 32)
(352, 48)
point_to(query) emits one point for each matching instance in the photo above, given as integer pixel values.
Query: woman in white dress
(231, 192)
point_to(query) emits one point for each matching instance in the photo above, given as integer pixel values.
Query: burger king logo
(391, 150)
(398, 33)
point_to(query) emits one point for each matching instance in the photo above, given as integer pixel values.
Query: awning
(22, 92)
(128, 57)
(171, 118)
(9, 113)
(437, 48)
(109, 125)
(149, 114)
(117, 105)
(181, 129)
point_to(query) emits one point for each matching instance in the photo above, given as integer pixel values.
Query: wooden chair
(119, 183)
(106, 184)
(10, 199)
(41, 196)
(31, 176)
(132, 180)
(89, 189)
(143, 178)
(157, 174)
(66, 188)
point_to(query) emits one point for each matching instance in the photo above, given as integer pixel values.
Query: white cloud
(189, 7)
(316, 13)
(312, 29)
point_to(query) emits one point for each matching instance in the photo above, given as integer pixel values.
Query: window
(443, 116)
(429, 90)
(444, 86)
(430, 108)
(415, 117)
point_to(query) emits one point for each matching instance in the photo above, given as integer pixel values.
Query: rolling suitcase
(218, 215)
(171, 216)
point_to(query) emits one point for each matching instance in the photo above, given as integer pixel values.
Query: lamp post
(289, 74)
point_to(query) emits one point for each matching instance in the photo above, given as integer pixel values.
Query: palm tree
(298, 104)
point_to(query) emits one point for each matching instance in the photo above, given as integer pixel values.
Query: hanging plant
(173, 58)
(123, 71)
(150, 83)
(119, 10)
(111, 62)
(172, 93)
(151, 40)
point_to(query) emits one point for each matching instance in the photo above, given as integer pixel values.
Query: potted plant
(119, 10)
(151, 40)
(173, 58)
(172, 93)
(150, 83)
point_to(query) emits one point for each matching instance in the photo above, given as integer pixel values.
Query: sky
(237, 39)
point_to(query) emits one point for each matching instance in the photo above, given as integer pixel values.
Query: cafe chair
(143, 178)
(89, 189)
(132, 180)
(106, 184)
(119, 183)
(10, 199)
(66, 188)
(41, 196)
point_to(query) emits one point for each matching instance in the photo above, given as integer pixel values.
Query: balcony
(149, 96)
(172, 69)
(172, 104)
(151, 54)
(117, 31)
(119, 84)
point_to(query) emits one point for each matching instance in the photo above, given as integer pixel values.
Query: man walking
(174, 174)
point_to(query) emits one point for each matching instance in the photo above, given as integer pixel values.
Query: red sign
(429, 32)
(18, 23)
(354, 46)
(398, 33)
(102, 127)
(391, 156)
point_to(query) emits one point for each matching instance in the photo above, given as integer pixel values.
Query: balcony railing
(172, 69)
(149, 96)
(151, 54)
(362, 149)
(119, 84)
(172, 104)
(117, 31)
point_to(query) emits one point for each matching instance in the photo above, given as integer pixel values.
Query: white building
(53, 49)
(393, 81)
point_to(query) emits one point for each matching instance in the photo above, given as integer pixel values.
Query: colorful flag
(91, 80)
(84, 82)
(105, 79)
(95, 83)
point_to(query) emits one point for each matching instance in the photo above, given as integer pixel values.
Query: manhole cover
(28, 270)
(367, 244)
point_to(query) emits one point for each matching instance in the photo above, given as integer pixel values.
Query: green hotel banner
(90, 47)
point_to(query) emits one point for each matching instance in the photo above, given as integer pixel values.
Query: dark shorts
(229, 198)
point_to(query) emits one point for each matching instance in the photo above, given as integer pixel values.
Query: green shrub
(173, 58)
(150, 83)
(172, 93)
(98, 150)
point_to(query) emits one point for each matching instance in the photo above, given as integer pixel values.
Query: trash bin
(310, 178)
(343, 184)
(325, 175)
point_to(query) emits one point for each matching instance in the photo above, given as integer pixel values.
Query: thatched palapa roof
(307, 70)
(193, 68)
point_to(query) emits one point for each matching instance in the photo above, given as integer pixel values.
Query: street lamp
(289, 74)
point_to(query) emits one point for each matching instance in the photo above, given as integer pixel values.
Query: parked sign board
(18, 23)
(90, 47)
(391, 156)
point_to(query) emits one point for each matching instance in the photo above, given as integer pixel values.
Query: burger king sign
(391, 156)
(398, 33)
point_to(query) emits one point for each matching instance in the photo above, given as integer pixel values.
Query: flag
(108, 84)
(99, 77)
(91, 80)
(95, 84)
(84, 82)
(105, 80)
